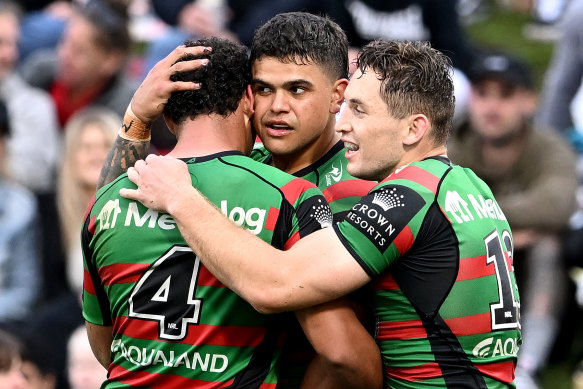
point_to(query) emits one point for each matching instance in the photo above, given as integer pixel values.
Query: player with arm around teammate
(299, 73)
(430, 235)
(156, 316)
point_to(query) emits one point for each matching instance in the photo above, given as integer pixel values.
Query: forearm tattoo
(121, 157)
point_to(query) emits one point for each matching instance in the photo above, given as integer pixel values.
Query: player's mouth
(351, 148)
(278, 128)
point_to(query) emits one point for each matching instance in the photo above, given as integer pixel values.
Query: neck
(501, 154)
(208, 134)
(434, 151)
(291, 163)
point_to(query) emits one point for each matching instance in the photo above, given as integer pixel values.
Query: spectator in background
(234, 19)
(10, 362)
(38, 362)
(563, 77)
(83, 369)
(19, 242)
(88, 137)
(409, 20)
(89, 66)
(532, 175)
(32, 148)
(43, 24)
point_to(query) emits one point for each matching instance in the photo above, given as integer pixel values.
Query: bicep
(100, 338)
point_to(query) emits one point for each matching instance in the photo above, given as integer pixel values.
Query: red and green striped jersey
(341, 191)
(329, 174)
(174, 324)
(439, 249)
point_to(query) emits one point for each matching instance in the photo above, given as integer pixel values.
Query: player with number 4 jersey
(156, 317)
(430, 236)
(173, 322)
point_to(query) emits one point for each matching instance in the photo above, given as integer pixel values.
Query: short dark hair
(415, 78)
(4, 120)
(302, 37)
(39, 352)
(224, 81)
(111, 20)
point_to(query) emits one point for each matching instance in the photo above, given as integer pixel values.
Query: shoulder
(548, 144)
(422, 177)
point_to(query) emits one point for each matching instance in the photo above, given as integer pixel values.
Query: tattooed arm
(133, 140)
(123, 154)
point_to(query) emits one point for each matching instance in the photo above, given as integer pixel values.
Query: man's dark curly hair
(224, 81)
(415, 78)
(303, 38)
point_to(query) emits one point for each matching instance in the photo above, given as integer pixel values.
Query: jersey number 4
(506, 312)
(166, 293)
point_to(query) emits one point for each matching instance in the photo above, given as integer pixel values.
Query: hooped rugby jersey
(439, 249)
(174, 324)
(329, 174)
(341, 191)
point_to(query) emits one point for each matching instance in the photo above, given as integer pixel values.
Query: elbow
(268, 301)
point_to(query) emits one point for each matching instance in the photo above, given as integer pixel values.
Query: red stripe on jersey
(414, 373)
(399, 330)
(88, 283)
(89, 206)
(385, 282)
(470, 325)
(348, 188)
(233, 336)
(159, 381)
(122, 273)
(293, 189)
(503, 371)
(92, 227)
(418, 175)
(474, 267)
(271, 221)
(291, 241)
(404, 240)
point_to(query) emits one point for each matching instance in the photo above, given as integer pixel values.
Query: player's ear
(170, 124)
(418, 126)
(338, 95)
(248, 102)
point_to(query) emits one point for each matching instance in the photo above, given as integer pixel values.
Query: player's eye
(298, 90)
(261, 89)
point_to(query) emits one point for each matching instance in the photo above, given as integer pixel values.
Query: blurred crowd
(68, 70)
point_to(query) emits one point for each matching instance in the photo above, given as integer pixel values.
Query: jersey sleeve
(380, 228)
(312, 212)
(95, 304)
